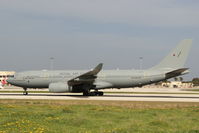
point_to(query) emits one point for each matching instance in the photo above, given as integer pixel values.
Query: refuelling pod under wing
(59, 87)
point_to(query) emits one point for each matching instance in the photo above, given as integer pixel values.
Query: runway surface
(136, 94)
(106, 97)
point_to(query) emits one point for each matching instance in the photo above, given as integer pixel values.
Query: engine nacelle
(59, 87)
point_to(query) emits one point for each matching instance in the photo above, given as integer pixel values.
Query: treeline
(195, 81)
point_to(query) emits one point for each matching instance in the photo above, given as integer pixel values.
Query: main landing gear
(98, 93)
(95, 93)
(25, 91)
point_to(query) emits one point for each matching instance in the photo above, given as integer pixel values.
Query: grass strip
(70, 116)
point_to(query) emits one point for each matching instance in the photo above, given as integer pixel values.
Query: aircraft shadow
(81, 96)
(140, 96)
(33, 94)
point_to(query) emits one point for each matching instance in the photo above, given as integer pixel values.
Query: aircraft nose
(10, 80)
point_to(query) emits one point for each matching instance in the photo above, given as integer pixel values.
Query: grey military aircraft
(91, 82)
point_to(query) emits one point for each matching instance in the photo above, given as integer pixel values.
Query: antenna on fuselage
(141, 62)
(52, 63)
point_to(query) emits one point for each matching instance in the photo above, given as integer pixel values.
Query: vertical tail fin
(176, 58)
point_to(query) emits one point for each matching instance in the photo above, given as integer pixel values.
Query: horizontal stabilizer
(175, 73)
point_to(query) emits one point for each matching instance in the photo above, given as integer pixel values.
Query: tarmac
(154, 94)
(106, 97)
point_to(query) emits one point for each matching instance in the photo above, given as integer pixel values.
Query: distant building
(4, 75)
(171, 84)
(177, 84)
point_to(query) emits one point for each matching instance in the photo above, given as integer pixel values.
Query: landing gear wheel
(95, 93)
(99, 93)
(25, 91)
(86, 93)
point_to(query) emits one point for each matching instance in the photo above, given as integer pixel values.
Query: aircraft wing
(88, 77)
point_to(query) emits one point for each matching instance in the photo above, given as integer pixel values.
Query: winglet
(86, 77)
(97, 69)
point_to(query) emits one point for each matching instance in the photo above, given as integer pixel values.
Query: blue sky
(81, 33)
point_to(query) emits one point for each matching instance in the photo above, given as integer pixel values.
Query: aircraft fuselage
(105, 79)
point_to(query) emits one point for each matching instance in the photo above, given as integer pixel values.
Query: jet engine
(59, 87)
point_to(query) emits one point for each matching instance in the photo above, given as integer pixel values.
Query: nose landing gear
(25, 91)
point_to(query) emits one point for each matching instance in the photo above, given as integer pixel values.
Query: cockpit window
(10, 76)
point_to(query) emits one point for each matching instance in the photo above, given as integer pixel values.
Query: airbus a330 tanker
(91, 82)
